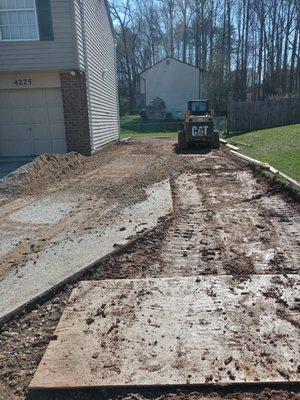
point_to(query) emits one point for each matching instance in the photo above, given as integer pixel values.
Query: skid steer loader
(198, 127)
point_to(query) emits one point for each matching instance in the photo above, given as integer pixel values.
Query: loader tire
(181, 145)
(216, 140)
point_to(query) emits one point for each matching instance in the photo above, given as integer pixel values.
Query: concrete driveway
(10, 164)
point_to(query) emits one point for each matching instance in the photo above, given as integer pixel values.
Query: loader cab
(198, 107)
(198, 127)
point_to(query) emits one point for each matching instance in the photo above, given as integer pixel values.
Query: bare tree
(249, 48)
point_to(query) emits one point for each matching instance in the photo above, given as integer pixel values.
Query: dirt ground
(120, 170)
(244, 226)
(83, 189)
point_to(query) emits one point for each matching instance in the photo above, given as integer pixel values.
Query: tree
(249, 48)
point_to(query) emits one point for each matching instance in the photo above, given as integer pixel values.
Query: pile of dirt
(120, 170)
(44, 170)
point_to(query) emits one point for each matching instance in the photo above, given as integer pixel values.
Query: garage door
(31, 122)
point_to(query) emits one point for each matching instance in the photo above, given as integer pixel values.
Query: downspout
(117, 88)
(87, 72)
(145, 89)
(199, 84)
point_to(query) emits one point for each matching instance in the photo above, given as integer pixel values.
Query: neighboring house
(175, 83)
(58, 84)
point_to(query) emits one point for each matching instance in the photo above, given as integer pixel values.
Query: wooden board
(175, 331)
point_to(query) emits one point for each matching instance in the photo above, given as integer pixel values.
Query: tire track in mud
(226, 224)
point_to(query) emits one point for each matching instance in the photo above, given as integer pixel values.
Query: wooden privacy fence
(251, 116)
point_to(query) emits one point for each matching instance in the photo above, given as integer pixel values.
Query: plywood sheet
(175, 331)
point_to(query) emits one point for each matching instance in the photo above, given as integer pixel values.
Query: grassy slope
(280, 147)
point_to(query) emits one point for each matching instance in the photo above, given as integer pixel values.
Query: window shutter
(43, 8)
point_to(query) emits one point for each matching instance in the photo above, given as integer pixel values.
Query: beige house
(58, 83)
(174, 82)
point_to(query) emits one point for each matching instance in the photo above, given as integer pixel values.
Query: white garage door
(31, 122)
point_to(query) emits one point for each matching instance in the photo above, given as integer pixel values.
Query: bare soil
(120, 170)
(243, 228)
(113, 178)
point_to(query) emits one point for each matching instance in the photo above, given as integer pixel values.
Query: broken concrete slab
(175, 331)
(67, 257)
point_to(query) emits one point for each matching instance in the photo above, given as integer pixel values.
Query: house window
(18, 20)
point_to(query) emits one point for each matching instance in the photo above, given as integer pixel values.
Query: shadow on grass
(156, 127)
(151, 127)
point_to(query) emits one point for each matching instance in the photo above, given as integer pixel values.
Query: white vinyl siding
(18, 20)
(174, 82)
(100, 67)
(59, 53)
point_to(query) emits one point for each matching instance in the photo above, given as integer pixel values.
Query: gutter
(145, 89)
(199, 83)
(87, 72)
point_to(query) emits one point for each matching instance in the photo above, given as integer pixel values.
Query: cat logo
(199, 130)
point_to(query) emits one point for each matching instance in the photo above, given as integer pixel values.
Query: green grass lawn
(133, 125)
(279, 147)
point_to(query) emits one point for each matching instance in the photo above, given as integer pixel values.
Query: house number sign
(23, 82)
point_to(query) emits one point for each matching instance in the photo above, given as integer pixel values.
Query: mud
(220, 229)
(239, 220)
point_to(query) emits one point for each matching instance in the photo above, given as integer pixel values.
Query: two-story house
(174, 83)
(58, 81)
